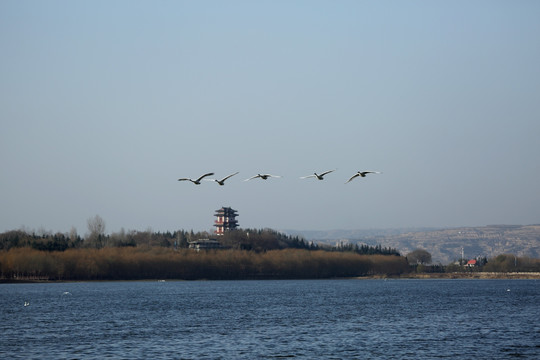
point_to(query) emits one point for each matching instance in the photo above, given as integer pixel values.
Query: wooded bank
(138, 263)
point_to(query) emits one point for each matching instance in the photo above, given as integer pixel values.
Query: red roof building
(471, 263)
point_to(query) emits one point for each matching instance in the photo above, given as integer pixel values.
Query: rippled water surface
(327, 319)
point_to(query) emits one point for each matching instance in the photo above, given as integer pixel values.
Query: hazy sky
(105, 104)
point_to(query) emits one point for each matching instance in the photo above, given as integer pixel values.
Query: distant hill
(443, 244)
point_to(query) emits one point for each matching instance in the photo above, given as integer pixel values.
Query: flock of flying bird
(266, 176)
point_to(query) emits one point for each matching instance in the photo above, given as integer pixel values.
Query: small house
(471, 263)
(204, 244)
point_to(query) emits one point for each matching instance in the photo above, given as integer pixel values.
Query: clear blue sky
(105, 104)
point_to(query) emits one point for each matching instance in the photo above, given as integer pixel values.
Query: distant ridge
(337, 234)
(444, 244)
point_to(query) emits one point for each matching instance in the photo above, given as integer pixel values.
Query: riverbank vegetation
(135, 263)
(245, 254)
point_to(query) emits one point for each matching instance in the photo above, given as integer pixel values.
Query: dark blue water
(328, 319)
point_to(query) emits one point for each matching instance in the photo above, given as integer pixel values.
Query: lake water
(326, 319)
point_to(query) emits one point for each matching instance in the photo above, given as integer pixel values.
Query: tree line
(127, 255)
(257, 240)
(246, 254)
(504, 263)
(137, 263)
(366, 249)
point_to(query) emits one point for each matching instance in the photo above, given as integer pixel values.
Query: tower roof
(226, 210)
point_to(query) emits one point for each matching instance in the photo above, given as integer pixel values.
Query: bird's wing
(253, 177)
(226, 177)
(305, 177)
(276, 176)
(208, 174)
(327, 172)
(370, 172)
(183, 179)
(352, 177)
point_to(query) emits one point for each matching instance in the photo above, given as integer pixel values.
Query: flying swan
(361, 174)
(222, 181)
(263, 176)
(196, 181)
(318, 176)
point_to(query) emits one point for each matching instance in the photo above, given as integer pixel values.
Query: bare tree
(419, 256)
(73, 234)
(96, 226)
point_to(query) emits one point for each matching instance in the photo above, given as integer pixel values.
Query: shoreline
(416, 276)
(473, 275)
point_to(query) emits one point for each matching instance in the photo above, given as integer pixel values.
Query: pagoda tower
(226, 220)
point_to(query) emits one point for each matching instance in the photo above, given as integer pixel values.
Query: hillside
(443, 244)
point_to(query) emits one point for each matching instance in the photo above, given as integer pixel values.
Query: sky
(105, 104)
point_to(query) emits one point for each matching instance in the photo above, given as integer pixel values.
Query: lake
(301, 319)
